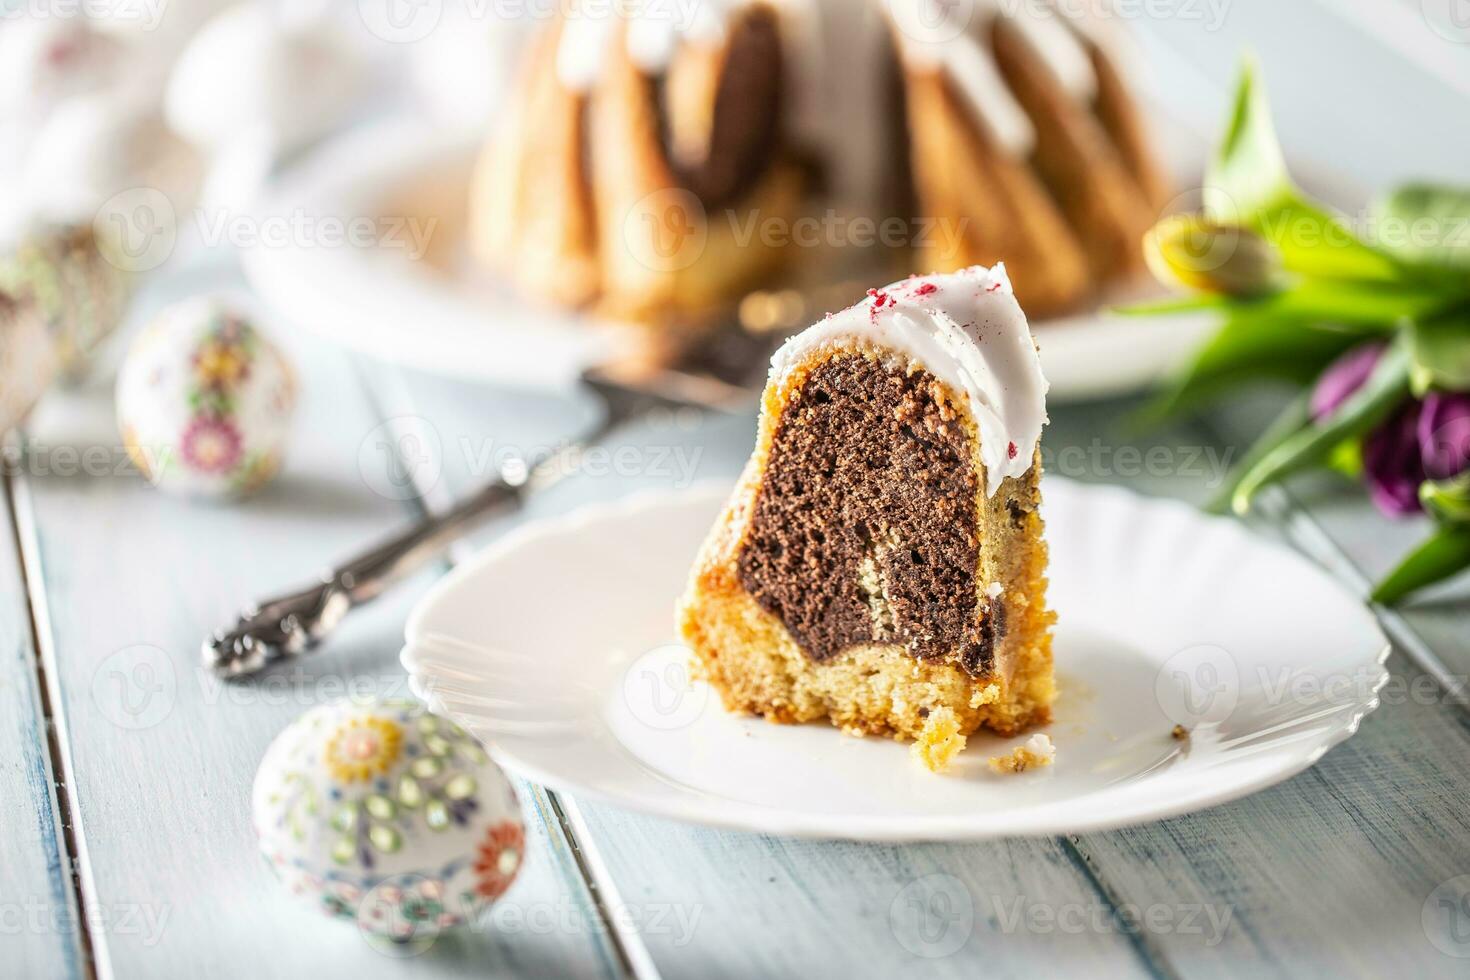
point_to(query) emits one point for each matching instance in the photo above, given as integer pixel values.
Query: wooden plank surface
(1336, 871)
(159, 758)
(39, 927)
(1328, 874)
(1352, 849)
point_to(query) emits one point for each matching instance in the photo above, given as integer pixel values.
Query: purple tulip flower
(1393, 463)
(1343, 377)
(1428, 440)
(1444, 434)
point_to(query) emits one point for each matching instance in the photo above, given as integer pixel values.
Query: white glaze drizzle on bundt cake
(651, 40)
(609, 180)
(989, 131)
(954, 37)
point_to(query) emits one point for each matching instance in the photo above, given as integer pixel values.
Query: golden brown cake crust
(659, 196)
(576, 196)
(1085, 172)
(1124, 122)
(531, 201)
(986, 204)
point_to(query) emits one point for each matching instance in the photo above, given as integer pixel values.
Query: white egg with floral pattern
(380, 811)
(205, 401)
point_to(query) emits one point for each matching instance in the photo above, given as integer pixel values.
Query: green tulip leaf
(1347, 459)
(1448, 500)
(1446, 553)
(1252, 345)
(1191, 303)
(1295, 417)
(1316, 243)
(1440, 351)
(1351, 304)
(1427, 225)
(1247, 184)
(1291, 335)
(1247, 176)
(1315, 444)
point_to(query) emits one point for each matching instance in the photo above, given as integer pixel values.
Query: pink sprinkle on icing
(879, 298)
(926, 289)
(1011, 450)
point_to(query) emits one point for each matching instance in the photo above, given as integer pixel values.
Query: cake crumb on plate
(1035, 752)
(940, 741)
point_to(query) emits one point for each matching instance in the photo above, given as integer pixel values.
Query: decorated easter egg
(204, 401)
(382, 812)
(79, 294)
(28, 359)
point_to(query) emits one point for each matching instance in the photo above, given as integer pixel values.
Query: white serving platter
(440, 313)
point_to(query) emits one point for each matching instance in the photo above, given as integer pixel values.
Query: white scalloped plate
(434, 313)
(556, 648)
(443, 316)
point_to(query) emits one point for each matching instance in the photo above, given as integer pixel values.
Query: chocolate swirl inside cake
(865, 527)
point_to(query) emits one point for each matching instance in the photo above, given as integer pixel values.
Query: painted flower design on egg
(211, 444)
(499, 859)
(363, 748)
(220, 365)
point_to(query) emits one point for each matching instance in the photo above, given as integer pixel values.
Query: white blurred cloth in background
(91, 106)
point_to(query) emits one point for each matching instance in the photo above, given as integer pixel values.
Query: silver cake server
(723, 372)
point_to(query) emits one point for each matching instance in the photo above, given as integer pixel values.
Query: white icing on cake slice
(967, 330)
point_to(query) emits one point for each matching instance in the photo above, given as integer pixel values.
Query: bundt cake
(657, 164)
(881, 562)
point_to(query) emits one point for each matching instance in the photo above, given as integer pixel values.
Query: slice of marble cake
(881, 562)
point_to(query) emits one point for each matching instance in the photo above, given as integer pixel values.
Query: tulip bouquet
(1373, 325)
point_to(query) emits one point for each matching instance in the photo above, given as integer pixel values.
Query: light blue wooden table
(125, 845)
